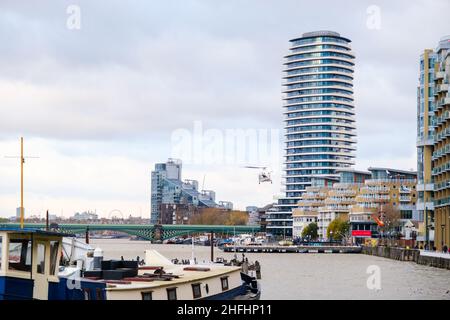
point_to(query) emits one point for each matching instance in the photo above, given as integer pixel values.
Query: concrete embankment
(433, 259)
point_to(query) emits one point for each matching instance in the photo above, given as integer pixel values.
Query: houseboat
(35, 264)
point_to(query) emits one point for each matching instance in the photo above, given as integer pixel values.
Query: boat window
(19, 255)
(172, 294)
(224, 281)
(54, 246)
(147, 295)
(40, 258)
(196, 290)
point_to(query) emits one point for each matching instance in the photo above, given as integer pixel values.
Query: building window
(147, 295)
(224, 281)
(172, 294)
(196, 291)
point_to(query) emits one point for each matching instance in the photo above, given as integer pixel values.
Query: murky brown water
(313, 276)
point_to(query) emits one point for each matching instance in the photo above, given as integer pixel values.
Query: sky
(103, 90)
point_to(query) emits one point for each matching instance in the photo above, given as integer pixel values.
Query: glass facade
(440, 164)
(319, 117)
(425, 137)
(317, 130)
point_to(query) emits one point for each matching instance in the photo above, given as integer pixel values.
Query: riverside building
(341, 197)
(425, 144)
(385, 187)
(319, 117)
(441, 147)
(173, 200)
(356, 197)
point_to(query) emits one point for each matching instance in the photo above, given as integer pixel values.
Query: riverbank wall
(431, 259)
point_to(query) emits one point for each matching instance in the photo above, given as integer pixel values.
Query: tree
(209, 216)
(215, 216)
(3, 220)
(237, 218)
(338, 228)
(390, 215)
(310, 231)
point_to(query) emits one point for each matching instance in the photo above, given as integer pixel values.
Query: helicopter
(264, 175)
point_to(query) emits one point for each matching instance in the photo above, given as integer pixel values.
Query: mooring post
(87, 235)
(211, 237)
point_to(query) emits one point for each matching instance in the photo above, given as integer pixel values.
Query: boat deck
(177, 274)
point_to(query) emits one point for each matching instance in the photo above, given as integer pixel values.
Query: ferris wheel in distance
(115, 215)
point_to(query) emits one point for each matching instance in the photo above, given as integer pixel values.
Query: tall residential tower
(441, 147)
(319, 116)
(425, 141)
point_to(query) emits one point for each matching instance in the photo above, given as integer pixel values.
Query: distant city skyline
(99, 104)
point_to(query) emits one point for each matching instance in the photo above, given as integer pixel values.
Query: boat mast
(22, 161)
(192, 249)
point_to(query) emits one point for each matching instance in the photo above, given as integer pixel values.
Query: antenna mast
(22, 161)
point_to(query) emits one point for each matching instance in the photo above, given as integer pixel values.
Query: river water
(312, 276)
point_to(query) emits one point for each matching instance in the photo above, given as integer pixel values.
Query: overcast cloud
(99, 104)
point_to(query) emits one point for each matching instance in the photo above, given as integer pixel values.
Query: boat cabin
(29, 261)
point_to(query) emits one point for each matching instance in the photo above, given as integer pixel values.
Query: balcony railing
(393, 180)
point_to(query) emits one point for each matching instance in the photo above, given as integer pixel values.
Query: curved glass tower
(319, 110)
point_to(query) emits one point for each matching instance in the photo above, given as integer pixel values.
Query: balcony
(405, 190)
(332, 208)
(442, 88)
(442, 185)
(394, 180)
(377, 190)
(442, 202)
(428, 141)
(420, 206)
(405, 199)
(422, 186)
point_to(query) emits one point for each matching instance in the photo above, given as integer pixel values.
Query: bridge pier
(87, 235)
(157, 232)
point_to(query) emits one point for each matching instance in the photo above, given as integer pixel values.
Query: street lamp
(442, 236)
(331, 236)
